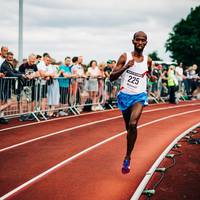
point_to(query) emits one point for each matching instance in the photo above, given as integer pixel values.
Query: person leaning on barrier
(2, 119)
(78, 84)
(53, 93)
(107, 70)
(101, 83)
(64, 84)
(30, 70)
(38, 59)
(3, 54)
(92, 86)
(42, 68)
(8, 70)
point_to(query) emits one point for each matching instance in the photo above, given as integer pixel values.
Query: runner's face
(139, 42)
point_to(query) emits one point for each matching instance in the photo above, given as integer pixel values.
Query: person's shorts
(92, 85)
(64, 95)
(5, 89)
(42, 91)
(108, 87)
(81, 87)
(155, 86)
(128, 100)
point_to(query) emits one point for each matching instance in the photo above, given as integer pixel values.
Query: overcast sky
(96, 29)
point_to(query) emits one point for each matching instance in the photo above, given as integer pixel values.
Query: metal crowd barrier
(38, 98)
(161, 94)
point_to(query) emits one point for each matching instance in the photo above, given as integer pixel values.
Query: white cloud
(92, 28)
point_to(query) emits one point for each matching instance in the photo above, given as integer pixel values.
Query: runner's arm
(149, 74)
(120, 67)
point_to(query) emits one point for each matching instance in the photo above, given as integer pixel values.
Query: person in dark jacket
(8, 70)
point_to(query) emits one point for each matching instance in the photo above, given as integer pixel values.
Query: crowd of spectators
(71, 82)
(175, 82)
(61, 84)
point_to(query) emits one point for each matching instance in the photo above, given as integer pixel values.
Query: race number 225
(134, 80)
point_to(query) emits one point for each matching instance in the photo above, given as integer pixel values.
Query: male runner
(134, 68)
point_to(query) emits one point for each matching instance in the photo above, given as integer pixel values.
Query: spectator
(101, 79)
(164, 81)
(115, 84)
(171, 84)
(180, 76)
(113, 63)
(4, 51)
(8, 70)
(38, 59)
(156, 73)
(108, 68)
(78, 89)
(64, 83)
(74, 83)
(31, 71)
(186, 81)
(196, 92)
(15, 63)
(24, 60)
(53, 93)
(107, 71)
(193, 78)
(43, 70)
(80, 61)
(93, 73)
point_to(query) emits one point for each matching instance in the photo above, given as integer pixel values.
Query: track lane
(21, 135)
(97, 174)
(27, 156)
(91, 126)
(15, 123)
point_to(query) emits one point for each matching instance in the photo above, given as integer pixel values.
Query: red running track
(94, 174)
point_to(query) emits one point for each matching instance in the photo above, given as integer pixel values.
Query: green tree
(154, 56)
(184, 40)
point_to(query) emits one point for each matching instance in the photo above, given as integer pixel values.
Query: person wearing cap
(108, 68)
(134, 68)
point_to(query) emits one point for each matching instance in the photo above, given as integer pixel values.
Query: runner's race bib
(132, 80)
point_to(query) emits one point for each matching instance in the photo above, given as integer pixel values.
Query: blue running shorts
(128, 100)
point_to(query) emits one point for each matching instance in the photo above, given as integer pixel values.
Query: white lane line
(152, 169)
(30, 124)
(56, 133)
(61, 164)
(55, 119)
(81, 126)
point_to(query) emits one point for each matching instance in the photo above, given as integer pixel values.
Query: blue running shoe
(126, 166)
